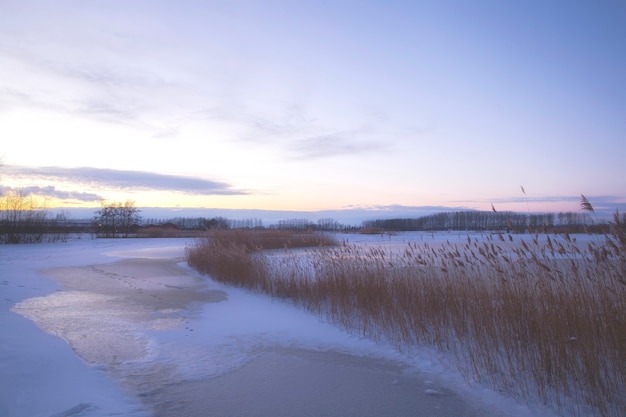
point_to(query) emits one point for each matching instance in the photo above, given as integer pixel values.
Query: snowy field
(123, 327)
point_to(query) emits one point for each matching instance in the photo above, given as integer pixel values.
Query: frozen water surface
(40, 375)
(125, 328)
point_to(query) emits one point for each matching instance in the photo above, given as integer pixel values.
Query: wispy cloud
(541, 199)
(297, 134)
(339, 144)
(51, 191)
(137, 93)
(285, 122)
(121, 179)
(597, 200)
(84, 85)
(603, 204)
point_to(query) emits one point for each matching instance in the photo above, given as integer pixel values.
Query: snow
(40, 374)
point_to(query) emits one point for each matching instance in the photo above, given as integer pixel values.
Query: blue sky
(315, 105)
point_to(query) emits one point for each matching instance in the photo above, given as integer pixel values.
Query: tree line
(24, 219)
(204, 223)
(571, 222)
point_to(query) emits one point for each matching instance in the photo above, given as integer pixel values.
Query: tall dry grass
(542, 318)
(235, 255)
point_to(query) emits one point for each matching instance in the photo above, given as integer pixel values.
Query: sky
(315, 105)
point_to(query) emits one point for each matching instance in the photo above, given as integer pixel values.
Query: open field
(540, 317)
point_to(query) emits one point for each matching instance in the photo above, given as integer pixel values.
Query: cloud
(121, 179)
(291, 129)
(605, 201)
(52, 192)
(544, 199)
(604, 205)
(331, 145)
(269, 124)
(88, 87)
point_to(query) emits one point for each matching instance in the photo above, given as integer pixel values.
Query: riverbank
(181, 344)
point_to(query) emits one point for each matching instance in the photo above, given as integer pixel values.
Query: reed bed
(235, 255)
(542, 318)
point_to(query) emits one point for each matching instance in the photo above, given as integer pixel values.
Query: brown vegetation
(234, 255)
(541, 319)
(160, 231)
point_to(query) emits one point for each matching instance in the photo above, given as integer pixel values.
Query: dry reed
(542, 319)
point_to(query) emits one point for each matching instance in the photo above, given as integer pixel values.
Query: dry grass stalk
(543, 320)
(585, 204)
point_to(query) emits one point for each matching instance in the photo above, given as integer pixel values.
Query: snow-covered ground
(39, 374)
(165, 350)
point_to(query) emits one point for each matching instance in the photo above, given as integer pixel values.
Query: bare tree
(129, 217)
(22, 218)
(117, 219)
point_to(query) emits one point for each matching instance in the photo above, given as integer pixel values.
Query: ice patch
(97, 333)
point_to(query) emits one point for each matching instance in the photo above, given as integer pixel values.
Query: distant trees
(252, 223)
(190, 223)
(117, 219)
(483, 220)
(22, 218)
(204, 223)
(295, 224)
(328, 224)
(325, 224)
